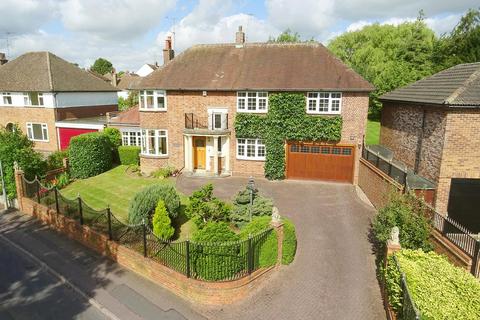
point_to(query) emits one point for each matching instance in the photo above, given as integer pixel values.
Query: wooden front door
(199, 152)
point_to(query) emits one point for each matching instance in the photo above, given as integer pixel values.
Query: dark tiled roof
(126, 80)
(456, 86)
(127, 117)
(283, 67)
(44, 71)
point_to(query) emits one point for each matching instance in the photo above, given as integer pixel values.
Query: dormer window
(7, 98)
(324, 102)
(255, 102)
(153, 100)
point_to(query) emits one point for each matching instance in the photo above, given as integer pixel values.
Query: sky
(130, 33)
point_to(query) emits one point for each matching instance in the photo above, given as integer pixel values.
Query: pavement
(44, 275)
(333, 274)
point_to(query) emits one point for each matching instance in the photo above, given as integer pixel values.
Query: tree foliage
(145, 201)
(16, 147)
(102, 66)
(162, 225)
(288, 36)
(388, 56)
(203, 207)
(130, 101)
(261, 206)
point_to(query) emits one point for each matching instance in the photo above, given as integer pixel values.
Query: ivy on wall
(286, 120)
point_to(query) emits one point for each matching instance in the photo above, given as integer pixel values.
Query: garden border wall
(193, 290)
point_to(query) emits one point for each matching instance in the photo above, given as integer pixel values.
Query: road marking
(62, 279)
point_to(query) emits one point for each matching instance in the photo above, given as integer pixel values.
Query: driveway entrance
(333, 274)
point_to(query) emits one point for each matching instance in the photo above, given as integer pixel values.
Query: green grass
(373, 132)
(114, 187)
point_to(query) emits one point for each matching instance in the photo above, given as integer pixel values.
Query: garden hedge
(129, 155)
(145, 201)
(439, 289)
(289, 241)
(266, 250)
(89, 154)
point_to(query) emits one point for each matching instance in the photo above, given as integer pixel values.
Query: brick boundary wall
(376, 184)
(456, 256)
(208, 293)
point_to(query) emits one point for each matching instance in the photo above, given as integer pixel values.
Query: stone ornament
(276, 218)
(394, 236)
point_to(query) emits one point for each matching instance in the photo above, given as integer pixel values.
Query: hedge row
(89, 155)
(129, 155)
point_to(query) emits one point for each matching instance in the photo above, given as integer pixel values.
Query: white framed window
(153, 100)
(324, 102)
(154, 142)
(33, 99)
(250, 101)
(251, 149)
(132, 138)
(37, 131)
(7, 98)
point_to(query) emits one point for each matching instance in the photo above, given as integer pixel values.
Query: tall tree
(462, 44)
(288, 36)
(102, 66)
(388, 56)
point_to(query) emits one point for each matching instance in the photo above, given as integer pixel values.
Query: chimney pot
(3, 58)
(240, 36)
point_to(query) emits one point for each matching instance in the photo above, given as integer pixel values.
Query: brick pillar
(278, 228)
(19, 186)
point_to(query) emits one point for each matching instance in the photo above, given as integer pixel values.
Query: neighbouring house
(128, 122)
(146, 69)
(124, 83)
(433, 126)
(188, 108)
(52, 100)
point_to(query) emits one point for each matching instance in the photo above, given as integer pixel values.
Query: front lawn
(373, 132)
(115, 187)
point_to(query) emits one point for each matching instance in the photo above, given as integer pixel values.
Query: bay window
(154, 142)
(255, 102)
(37, 131)
(152, 100)
(251, 149)
(324, 102)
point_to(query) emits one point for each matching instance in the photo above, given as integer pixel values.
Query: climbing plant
(286, 120)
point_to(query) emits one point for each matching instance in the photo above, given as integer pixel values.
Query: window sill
(252, 111)
(152, 110)
(251, 159)
(336, 113)
(153, 156)
(35, 140)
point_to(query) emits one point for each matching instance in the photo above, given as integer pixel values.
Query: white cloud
(23, 16)
(113, 20)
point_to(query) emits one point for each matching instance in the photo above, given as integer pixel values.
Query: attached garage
(69, 128)
(65, 134)
(320, 162)
(464, 203)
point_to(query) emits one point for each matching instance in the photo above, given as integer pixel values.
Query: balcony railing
(213, 121)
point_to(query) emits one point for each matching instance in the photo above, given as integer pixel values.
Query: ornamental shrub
(16, 147)
(145, 201)
(439, 289)
(114, 136)
(266, 248)
(162, 225)
(129, 155)
(289, 241)
(55, 159)
(204, 207)
(215, 253)
(261, 206)
(407, 213)
(89, 154)
(164, 172)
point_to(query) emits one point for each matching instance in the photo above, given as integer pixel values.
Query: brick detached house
(188, 108)
(52, 100)
(433, 125)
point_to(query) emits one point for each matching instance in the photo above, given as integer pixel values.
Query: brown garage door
(320, 162)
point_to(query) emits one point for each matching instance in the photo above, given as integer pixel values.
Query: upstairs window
(37, 131)
(153, 100)
(33, 98)
(7, 98)
(324, 102)
(248, 101)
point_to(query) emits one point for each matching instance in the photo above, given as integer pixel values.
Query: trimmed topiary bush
(266, 248)
(289, 241)
(204, 207)
(89, 155)
(261, 206)
(162, 225)
(213, 259)
(145, 201)
(129, 155)
(439, 289)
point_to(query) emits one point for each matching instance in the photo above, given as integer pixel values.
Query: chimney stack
(240, 36)
(3, 59)
(114, 77)
(168, 52)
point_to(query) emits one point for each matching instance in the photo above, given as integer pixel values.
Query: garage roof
(45, 72)
(456, 86)
(259, 66)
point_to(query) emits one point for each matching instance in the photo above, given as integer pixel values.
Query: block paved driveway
(333, 275)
